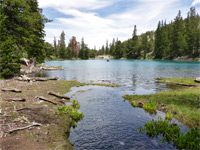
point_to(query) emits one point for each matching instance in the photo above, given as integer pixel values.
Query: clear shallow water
(110, 122)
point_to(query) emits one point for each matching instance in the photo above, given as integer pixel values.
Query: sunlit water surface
(110, 122)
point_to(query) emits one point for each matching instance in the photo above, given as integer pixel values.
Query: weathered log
(24, 78)
(58, 95)
(51, 100)
(22, 128)
(15, 99)
(25, 61)
(24, 108)
(11, 90)
(45, 79)
(197, 79)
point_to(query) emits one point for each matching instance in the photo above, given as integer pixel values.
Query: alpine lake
(110, 122)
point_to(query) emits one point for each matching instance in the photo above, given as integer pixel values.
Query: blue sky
(101, 20)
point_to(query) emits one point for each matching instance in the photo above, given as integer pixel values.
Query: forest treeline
(180, 37)
(22, 35)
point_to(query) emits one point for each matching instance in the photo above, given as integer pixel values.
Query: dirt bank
(54, 129)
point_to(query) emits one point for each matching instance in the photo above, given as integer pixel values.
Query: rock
(140, 104)
(197, 79)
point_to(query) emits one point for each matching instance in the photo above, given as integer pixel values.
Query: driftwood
(45, 79)
(197, 80)
(25, 78)
(51, 100)
(58, 95)
(22, 108)
(22, 128)
(25, 61)
(11, 90)
(16, 99)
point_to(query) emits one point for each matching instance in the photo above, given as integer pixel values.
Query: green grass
(183, 104)
(189, 81)
(134, 104)
(150, 106)
(168, 116)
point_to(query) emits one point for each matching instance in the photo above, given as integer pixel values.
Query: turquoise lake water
(110, 122)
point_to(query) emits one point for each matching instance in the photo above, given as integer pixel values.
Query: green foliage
(75, 115)
(75, 104)
(172, 134)
(168, 116)
(134, 104)
(22, 25)
(63, 109)
(150, 106)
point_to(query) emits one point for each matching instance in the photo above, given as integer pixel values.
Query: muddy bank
(54, 129)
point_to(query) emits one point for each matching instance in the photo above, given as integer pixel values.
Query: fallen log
(24, 108)
(15, 99)
(22, 128)
(58, 95)
(197, 79)
(45, 79)
(51, 100)
(11, 90)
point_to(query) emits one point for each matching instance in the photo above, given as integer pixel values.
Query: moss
(184, 104)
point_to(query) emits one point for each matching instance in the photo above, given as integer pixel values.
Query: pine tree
(134, 50)
(107, 48)
(178, 37)
(193, 33)
(55, 47)
(62, 47)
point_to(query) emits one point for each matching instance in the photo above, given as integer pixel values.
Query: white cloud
(86, 22)
(195, 2)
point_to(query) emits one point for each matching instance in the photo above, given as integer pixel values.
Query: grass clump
(189, 81)
(172, 134)
(150, 106)
(75, 115)
(134, 104)
(75, 104)
(168, 116)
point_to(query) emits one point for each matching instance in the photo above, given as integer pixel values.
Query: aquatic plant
(134, 104)
(150, 106)
(75, 104)
(171, 133)
(75, 115)
(168, 116)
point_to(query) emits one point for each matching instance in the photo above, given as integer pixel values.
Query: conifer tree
(62, 47)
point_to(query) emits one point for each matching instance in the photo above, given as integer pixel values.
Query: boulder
(197, 79)
(140, 104)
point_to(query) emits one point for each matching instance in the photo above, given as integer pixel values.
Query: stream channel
(109, 122)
